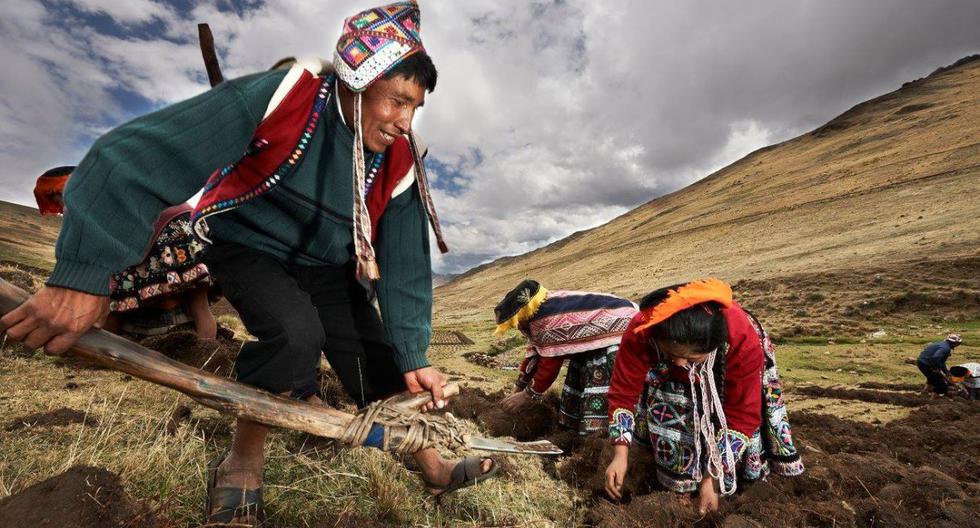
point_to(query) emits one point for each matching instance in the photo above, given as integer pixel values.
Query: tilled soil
(213, 355)
(917, 471)
(534, 421)
(82, 497)
(868, 395)
(904, 387)
(217, 356)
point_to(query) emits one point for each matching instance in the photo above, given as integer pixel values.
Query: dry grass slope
(26, 237)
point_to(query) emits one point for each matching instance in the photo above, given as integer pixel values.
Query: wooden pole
(210, 55)
(210, 390)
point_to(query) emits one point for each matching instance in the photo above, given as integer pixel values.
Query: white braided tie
(704, 394)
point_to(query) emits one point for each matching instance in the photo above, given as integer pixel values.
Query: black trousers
(934, 377)
(297, 312)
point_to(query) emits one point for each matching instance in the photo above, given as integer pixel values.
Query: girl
(703, 371)
(170, 276)
(584, 328)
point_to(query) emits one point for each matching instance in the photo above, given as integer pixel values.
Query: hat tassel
(367, 265)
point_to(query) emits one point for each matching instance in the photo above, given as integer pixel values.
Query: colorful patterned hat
(374, 41)
(519, 305)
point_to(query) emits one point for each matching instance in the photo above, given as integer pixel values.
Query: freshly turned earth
(82, 497)
(913, 472)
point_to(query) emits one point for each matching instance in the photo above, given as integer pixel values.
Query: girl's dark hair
(59, 171)
(959, 371)
(702, 327)
(416, 67)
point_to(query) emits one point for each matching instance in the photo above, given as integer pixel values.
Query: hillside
(26, 237)
(876, 206)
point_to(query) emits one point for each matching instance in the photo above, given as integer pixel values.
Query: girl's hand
(616, 472)
(515, 401)
(708, 500)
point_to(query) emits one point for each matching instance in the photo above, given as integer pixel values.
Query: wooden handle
(213, 391)
(209, 54)
(407, 400)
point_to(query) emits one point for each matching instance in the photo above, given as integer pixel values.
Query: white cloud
(125, 11)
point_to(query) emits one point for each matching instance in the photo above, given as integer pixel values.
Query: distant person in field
(581, 327)
(932, 363)
(695, 381)
(966, 377)
(171, 283)
(317, 208)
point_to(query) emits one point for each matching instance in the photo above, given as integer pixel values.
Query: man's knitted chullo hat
(373, 42)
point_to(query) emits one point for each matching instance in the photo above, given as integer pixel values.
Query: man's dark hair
(702, 327)
(416, 67)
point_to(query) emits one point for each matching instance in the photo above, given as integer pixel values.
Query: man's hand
(708, 496)
(55, 318)
(616, 472)
(427, 379)
(515, 401)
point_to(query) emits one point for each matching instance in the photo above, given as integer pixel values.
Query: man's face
(387, 110)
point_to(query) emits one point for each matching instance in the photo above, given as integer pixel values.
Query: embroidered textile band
(367, 265)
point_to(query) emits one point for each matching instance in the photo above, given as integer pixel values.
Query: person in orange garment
(168, 287)
(695, 380)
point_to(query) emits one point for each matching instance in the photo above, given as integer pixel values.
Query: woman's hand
(616, 472)
(708, 496)
(515, 401)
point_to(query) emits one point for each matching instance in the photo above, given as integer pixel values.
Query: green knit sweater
(135, 171)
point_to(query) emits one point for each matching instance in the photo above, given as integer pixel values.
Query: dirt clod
(534, 421)
(216, 355)
(82, 497)
(180, 415)
(58, 417)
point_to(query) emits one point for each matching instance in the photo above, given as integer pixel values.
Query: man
(932, 363)
(584, 328)
(330, 196)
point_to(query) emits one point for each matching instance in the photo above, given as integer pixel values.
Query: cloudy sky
(549, 116)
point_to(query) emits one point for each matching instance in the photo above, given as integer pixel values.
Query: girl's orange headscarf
(49, 189)
(686, 296)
